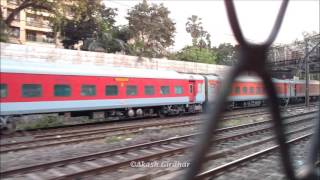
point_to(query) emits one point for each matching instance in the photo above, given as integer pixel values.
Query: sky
(256, 18)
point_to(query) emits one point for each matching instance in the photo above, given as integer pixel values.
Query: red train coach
(32, 88)
(249, 90)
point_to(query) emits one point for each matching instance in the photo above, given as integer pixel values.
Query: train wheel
(8, 125)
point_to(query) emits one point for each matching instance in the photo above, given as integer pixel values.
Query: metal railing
(33, 38)
(253, 57)
(40, 24)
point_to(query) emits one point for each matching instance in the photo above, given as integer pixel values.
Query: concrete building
(28, 27)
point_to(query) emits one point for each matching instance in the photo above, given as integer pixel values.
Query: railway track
(148, 151)
(98, 134)
(244, 161)
(64, 131)
(96, 126)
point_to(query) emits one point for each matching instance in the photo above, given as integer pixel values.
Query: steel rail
(145, 145)
(64, 132)
(70, 127)
(99, 131)
(127, 162)
(85, 133)
(75, 127)
(124, 127)
(245, 159)
(138, 126)
(35, 146)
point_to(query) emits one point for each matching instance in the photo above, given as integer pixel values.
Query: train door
(212, 88)
(291, 89)
(192, 93)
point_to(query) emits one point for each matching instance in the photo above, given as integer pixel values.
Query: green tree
(208, 39)
(3, 31)
(226, 54)
(200, 37)
(200, 51)
(194, 26)
(151, 28)
(115, 41)
(172, 56)
(90, 22)
(196, 54)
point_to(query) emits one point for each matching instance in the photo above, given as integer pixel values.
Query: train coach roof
(11, 66)
(257, 79)
(248, 79)
(212, 77)
(304, 81)
(314, 82)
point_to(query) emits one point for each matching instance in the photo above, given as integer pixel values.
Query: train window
(178, 90)
(131, 90)
(62, 90)
(111, 90)
(237, 90)
(149, 90)
(3, 90)
(31, 90)
(190, 88)
(244, 90)
(88, 90)
(251, 90)
(164, 90)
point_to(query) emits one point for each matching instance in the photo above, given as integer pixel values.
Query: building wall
(37, 53)
(28, 27)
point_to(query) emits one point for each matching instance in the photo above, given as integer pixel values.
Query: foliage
(196, 54)
(121, 33)
(90, 21)
(93, 24)
(105, 42)
(83, 20)
(193, 26)
(113, 41)
(200, 37)
(226, 54)
(3, 31)
(48, 121)
(74, 31)
(208, 36)
(58, 9)
(172, 56)
(151, 28)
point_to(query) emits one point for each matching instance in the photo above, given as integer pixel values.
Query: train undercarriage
(282, 101)
(8, 123)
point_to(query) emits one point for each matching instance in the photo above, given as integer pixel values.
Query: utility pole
(306, 72)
